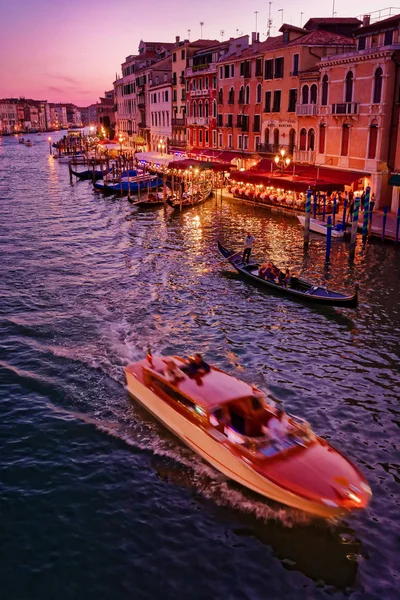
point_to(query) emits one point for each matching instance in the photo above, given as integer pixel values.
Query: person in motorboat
(172, 372)
(196, 366)
(278, 427)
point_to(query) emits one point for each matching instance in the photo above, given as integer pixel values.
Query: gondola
(299, 289)
(189, 202)
(89, 174)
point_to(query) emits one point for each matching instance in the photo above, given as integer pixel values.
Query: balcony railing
(178, 122)
(196, 93)
(200, 121)
(304, 156)
(306, 110)
(274, 148)
(204, 68)
(345, 108)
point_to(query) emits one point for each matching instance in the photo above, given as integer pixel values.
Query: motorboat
(322, 227)
(21, 140)
(29, 143)
(226, 422)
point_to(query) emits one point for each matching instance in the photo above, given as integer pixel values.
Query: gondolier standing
(248, 246)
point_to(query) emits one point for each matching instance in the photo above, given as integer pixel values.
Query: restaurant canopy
(225, 156)
(201, 165)
(156, 158)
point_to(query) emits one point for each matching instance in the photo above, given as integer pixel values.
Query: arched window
(214, 109)
(276, 136)
(188, 109)
(313, 94)
(194, 109)
(324, 92)
(206, 114)
(292, 140)
(348, 97)
(344, 150)
(322, 132)
(241, 95)
(304, 94)
(200, 109)
(311, 139)
(231, 99)
(373, 139)
(377, 86)
(303, 139)
(259, 93)
(266, 136)
(247, 100)
(221, 96)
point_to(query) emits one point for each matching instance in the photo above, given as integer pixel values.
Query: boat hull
(320, 227)
(215, 451)
(335, 299)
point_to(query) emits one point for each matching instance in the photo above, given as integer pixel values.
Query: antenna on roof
(269, 22)
(333, 8)
(301, 19)
(281, 11)
(256, 13)
(189, 30)
(222, 32)
(201, 29)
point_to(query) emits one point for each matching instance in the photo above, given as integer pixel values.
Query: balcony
(304, 156)
(198, 93)
(178, 122)
(306, 110)
(345, 108)
(273, 148)
(142, 125)
(199, 121)
(204, 68)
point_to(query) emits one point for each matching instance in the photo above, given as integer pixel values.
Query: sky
(70, 51)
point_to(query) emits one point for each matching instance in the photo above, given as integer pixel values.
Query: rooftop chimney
(366, 20)
(255, 37)
(177, 39)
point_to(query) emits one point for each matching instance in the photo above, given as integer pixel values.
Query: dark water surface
(97, 499)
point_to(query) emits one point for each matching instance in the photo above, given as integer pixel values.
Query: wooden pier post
(315, 207)
(397, 226)
(334, 210)
(366, 211)
(307, 220)
(328, 240)
(324, 207)
(354, 227)
(344, 214)
(385, 212)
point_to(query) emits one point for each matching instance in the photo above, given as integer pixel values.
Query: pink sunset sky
(71, 51)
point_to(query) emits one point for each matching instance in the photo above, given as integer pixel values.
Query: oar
(223, 260)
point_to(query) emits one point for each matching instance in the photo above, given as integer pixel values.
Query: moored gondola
(90, 174)
(298, 289)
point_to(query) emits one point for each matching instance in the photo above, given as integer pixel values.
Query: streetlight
(49, 140)
(280, 160)
(161, 146)
(120, 139)
(91, 129)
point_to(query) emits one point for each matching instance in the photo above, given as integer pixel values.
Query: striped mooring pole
(344, 214)
(385, 212)
(307, 219)
(328, 239)
(354, 224)
(397, 226)
(366, 213)
(315, 207)
(324, 207)
(334, 210)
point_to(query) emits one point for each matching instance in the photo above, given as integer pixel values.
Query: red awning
(338, 176)
(285, 182)
(218, 155)
(187, 163)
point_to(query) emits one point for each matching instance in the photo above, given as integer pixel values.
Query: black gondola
(298, 289)
(89, 174)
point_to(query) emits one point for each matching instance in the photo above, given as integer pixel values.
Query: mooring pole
(328, 240)
(397, 226)
(385, 212)
(307, 219)
(366, 212)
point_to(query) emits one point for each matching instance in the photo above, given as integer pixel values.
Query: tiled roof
(332, 21)
(379, 25)
(319, 37)
(204, 43)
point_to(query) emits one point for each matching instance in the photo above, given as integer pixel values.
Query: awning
(156, 158)
(334, 176)
(191, 163)
(285, 182)
(217, 155)
(394, 179)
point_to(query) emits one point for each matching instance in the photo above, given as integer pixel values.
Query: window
(219, 120)
(277, 101)
(276, 136)
(194, 108)
(373, 138)
(245, 69)
(239, 142)
(292, 140)
(231, 96)
(344, 150)
(303, 139)
(313, 94)
(377, 86)
(324, 93)
(200, 137)
(232, 70)
(322, 132)
(221, 96)
(247, 98)
(214, 109)
(295, 64)
(348, 96)
(256, 142)
(266, 137)
(164, 387)
(214, 82)
(206, 83)
(259, 94)
(241, 95)
(257, 123)
(207, 137)
(206, 113)
(304, 94)
(182, 54)
(311, 139)
(267, 106)
(174, 57)
(194, 85)
(278, 74)
(226, 71)
(388, 40)
(166, 96)
(220, 140)
(362, 42)
(259, 67)
(221, 72)
(230, 141)
(200, 109)
(245, 142)
(292, 100)
(200, 83)
(194, 137)
(214, 138)
(268, 66)
(230, 120)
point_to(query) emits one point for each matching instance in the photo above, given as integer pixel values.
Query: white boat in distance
(322, 227)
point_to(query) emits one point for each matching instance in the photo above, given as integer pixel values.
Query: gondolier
(248, 246)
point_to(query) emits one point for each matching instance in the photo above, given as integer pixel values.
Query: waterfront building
(160, 105)
(201, 91)
(58, 116)
(8, 116)
(105, 114)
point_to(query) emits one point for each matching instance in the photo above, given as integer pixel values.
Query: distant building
(8, 116)
(105, 113)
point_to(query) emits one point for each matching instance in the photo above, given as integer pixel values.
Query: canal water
(97, 499)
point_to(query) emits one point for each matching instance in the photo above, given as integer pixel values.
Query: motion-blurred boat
(28, 143)
(225, 421)
(322, 227)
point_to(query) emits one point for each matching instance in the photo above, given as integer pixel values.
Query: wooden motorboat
(227, 422)
(29, 143)
(322, 227)
(298, 289)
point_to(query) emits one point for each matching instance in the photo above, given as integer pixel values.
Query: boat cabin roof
(210, 390)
